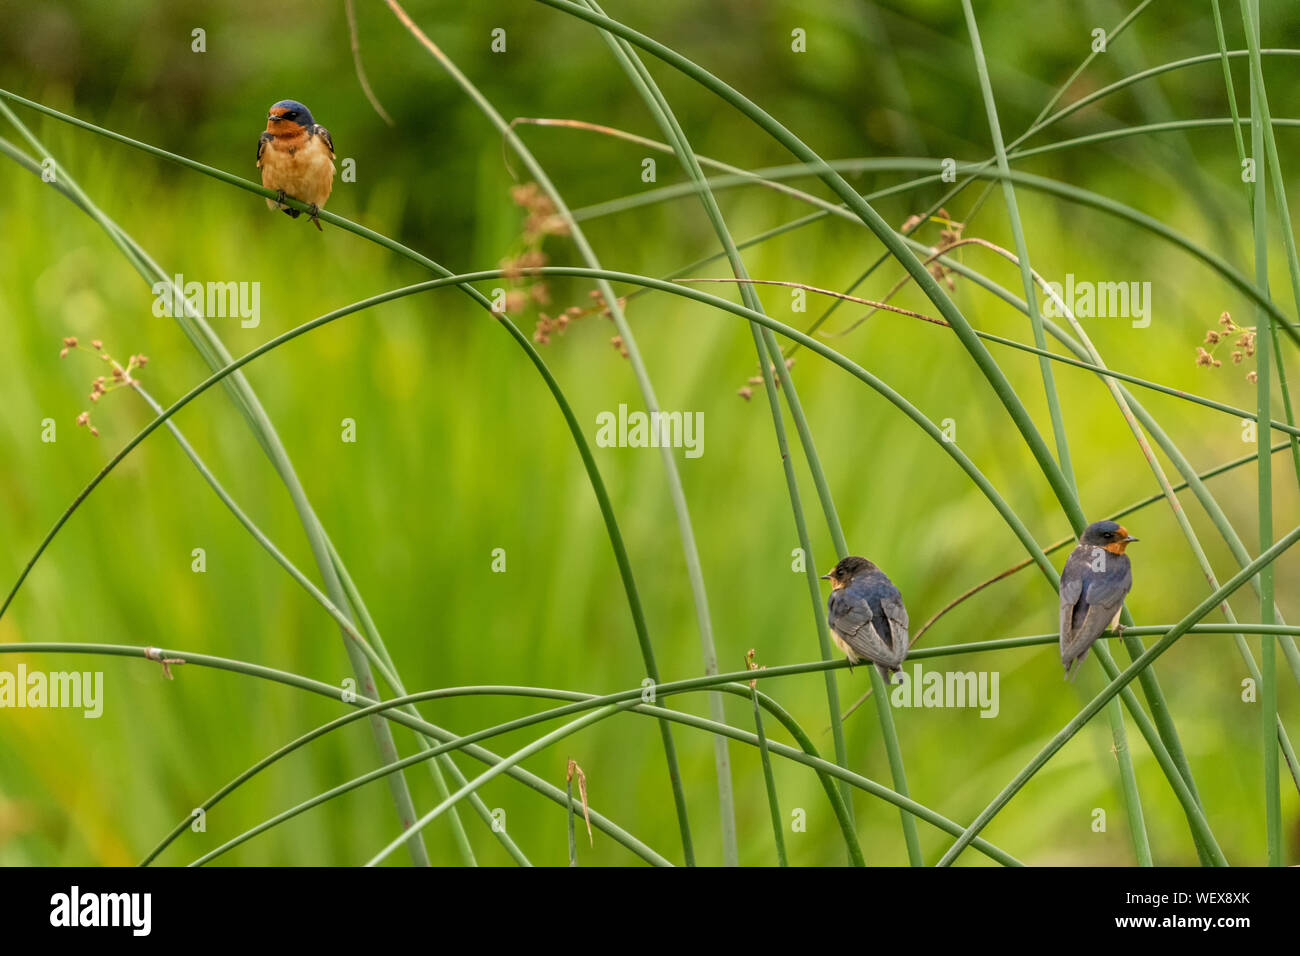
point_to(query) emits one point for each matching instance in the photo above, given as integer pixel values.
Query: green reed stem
(773, 804)
(1264, 346)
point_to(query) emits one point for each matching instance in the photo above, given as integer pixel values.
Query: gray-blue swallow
(866, 615)
(1096, 578)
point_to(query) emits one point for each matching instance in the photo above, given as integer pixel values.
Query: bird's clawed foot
(313, 211)
(279, 196)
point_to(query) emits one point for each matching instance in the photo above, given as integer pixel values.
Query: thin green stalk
(1147, 74)
(1264, 346)
(773, 805)
(1110, 39)
(345, 623)
(571, 817)
(405, 702)
(1232, 94)
(1022, 250)
(1284, 213)
(1124, 763)
(1128, 779)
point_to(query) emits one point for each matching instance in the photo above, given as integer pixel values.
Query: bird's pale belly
(839, 642)
(306, 174)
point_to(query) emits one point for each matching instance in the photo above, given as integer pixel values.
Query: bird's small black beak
(274, 119)
(826, 576)
(1131, 538)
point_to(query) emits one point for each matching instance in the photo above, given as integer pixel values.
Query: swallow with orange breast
(296, 156)
(866, 615)
(1096, 578)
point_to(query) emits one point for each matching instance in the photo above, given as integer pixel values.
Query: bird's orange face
(282, 123)
(1123, 539)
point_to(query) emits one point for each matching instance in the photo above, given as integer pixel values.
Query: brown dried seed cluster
(556, 324)
(526, 263)
(542, 220)
(949, 236)
(1243, 341)
(118, 376)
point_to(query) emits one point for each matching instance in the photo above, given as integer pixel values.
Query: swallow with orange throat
(1094, 583)
(866, 615)
(296, 157)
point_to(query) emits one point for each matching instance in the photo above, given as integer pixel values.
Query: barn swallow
(866, 615)
(1096, 578)
(296, 157)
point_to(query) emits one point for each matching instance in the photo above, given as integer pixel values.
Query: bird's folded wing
(324, 134)
(1109, 592)
(851, 620)
(1071, 591)
(1094, 622)
(1102, 605)
(895, 634)
(855, 623)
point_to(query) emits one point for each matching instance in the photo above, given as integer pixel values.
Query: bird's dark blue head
(1110, 535)
(288, 111)
(847, 570)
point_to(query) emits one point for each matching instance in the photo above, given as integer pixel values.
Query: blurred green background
(460, 448)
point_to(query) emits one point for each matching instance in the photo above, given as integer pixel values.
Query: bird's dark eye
(291, 115)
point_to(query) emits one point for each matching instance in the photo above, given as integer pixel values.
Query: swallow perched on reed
(296, 157)
(866, 615)
(1096, 578)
